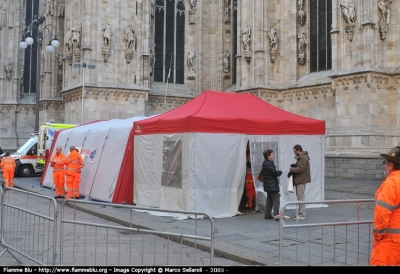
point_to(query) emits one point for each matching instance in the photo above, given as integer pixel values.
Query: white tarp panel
(109, 140)
(212, 173)
(212, 169)
(111, 156)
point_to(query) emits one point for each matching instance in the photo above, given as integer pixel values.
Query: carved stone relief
(61, 8)
(302, 14)
(385, 7)
(106, 40)
(190, 64)
(227, 36)
(302, 45)
(152, 59)
(245, 36)
(192, 11)
(226, 60)
(227, 11)
(273, 42)
(49, 7)
(68, 46)
(349, 16)
(8, 68)
(3, 15)
(76, 42)
(129, 43)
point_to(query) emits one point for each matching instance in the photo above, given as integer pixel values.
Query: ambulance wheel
(25, 171)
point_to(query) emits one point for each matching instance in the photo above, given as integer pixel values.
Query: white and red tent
(107, 150)
(193, 157)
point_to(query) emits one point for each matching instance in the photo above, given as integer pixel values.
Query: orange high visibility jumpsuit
(8, 166)
(386, 249)
(73, 172)
(58, 173)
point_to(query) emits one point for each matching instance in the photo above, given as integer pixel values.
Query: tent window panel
(257, 158)
(172, 164)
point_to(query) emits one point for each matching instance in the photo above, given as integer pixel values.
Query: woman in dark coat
(271, 185)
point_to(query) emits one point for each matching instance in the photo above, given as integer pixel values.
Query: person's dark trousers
(273, 201)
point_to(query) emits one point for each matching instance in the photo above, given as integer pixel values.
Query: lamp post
(28, 40)
(84, 66)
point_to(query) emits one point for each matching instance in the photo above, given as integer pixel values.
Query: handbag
(260, 178)
(289, 185)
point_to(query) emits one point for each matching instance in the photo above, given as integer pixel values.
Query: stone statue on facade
(130, 37)
(10, 14)
(152, 58)
(61, 8)
(302, 44)
(273, 42)
(226, 62)
(129, 43)
(8, 68)
(348, 11)
(68, 40)
(302, 14)
(349, 16)
(42, 9)
(49, 7)
(60, 60)
(106, 40)
(76, 36)
(193, 4)
(245, 36)
(190, 63)
(76, 42)
(384, 16)
(190, 58)
(227, 11)
(106, 35)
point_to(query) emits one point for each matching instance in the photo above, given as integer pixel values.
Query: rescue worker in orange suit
(8, 166)
(73, 172)
(386, 232)
(58, 162)
(249, 183)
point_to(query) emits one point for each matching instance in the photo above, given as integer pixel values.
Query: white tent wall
(109, 139)
(282, 145)
(213, 171)
(108, 169)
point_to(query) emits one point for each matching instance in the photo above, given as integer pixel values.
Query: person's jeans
(273, 201)
(300, 189)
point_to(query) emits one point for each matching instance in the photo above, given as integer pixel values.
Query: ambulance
(46, 137)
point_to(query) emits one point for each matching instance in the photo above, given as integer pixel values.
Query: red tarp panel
(223, 112)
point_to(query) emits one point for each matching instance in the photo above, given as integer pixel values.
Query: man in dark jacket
(271, 185)
(303, 176)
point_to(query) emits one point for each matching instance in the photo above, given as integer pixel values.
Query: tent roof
(223, 112)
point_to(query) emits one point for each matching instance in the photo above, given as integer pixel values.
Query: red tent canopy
(223, 112)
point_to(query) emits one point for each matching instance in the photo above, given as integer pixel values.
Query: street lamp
(84, 66)
(49, 48)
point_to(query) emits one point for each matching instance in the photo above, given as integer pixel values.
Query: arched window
(169, 38)
(320, 40)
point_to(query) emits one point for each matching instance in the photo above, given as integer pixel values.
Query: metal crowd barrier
(91, 243)
(330, 243)
(29, 225)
